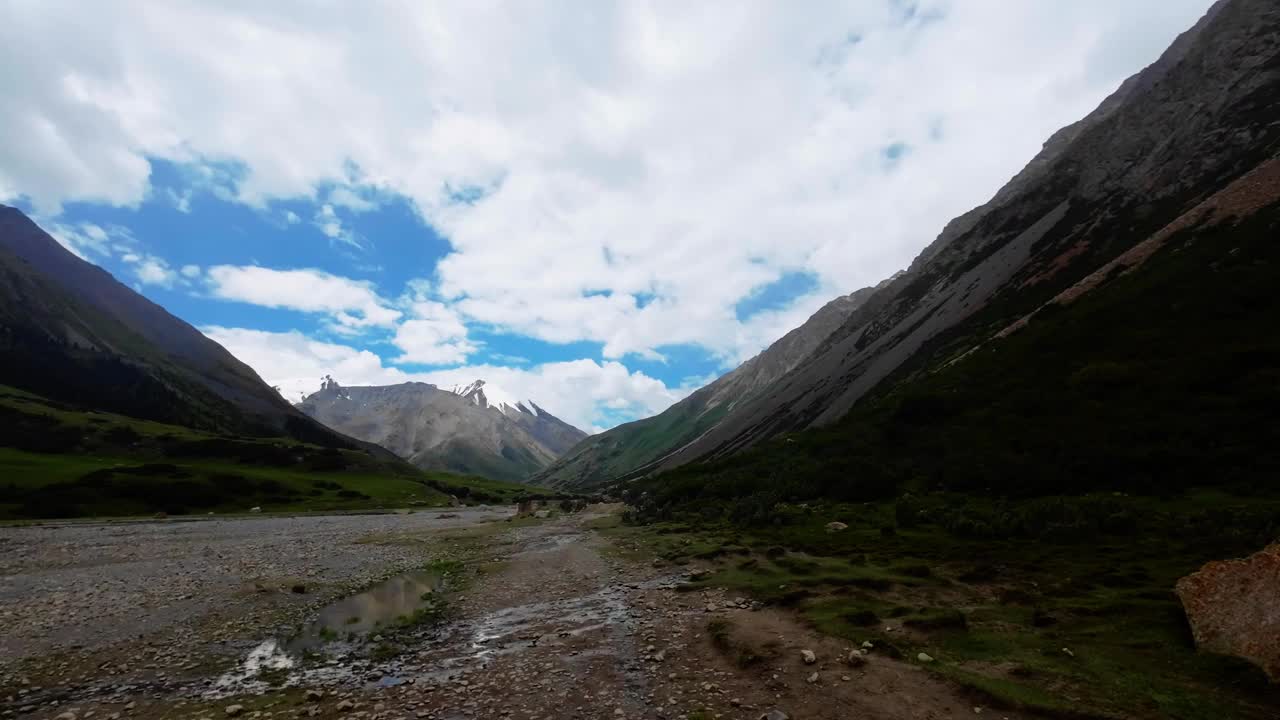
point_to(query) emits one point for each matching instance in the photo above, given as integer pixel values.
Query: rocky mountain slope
(634, 446)
(70, 332)
(1188, 126)
(476, 429)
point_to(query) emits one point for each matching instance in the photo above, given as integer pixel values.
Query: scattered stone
(255, 509)
(812, 679)
(775, 715)
(1067, 652)
(1233, 607)
(314, 696)
(856, 658)
(924, 658)
(834, 527)
(809, 657)
(346, 705)
(233, 710)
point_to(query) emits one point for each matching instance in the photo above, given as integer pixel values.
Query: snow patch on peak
(488, 395)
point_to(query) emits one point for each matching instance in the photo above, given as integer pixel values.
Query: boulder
(1233, 607)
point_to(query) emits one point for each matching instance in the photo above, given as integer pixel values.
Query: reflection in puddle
(397, 601)
(394, 601)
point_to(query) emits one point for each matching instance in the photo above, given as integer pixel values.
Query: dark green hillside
(71, 332)
(1021, 513)
(1161, 380)
(59, 460)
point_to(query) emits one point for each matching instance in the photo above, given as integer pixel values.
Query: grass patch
(740, 653)
(66, 462)
(997, 613)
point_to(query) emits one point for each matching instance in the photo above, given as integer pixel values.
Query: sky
(597, 205)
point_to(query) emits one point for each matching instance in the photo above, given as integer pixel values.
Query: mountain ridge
(591, 462)
(1176, 131)
(70, 331)
(459, 430)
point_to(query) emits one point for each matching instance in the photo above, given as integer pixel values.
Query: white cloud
(434, 336)
(190, 271)
(352, 304)
(351, 200)
(615, 172)
(328, 222)
(83, 239)
(152, 270)
(585, 393)
(181, 201)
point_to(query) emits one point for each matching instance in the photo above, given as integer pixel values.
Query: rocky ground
(548, 619)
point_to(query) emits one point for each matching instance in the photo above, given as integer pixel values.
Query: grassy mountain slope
(70, 331)
(1020, 512)
(1181, 130)
(1159, 379)
(61, 460)
(632, 447)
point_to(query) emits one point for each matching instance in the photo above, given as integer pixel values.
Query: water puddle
(398, 601)
(326, 645)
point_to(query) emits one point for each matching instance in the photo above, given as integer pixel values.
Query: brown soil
(558, 625)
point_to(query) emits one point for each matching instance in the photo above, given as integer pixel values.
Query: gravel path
(86, 587)
(160, 621)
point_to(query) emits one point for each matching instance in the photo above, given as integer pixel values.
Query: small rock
(812, 679)
(314, 695)
(233, 710)
(856, 659)
(345, 705)
(925, 658)
(1067, 652)
(809, 657)
(833, 527)
(255, 509)
(775, 715)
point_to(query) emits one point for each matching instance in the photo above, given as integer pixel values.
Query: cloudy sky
(596, 205)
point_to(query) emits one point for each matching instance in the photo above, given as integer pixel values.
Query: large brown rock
(1234, 608)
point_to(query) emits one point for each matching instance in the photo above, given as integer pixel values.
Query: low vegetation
(1022, 510)
(1159, 381)
(60, 461)
(1081, 624)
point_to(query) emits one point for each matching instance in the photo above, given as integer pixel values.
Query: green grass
(63, 461)
(996, 613)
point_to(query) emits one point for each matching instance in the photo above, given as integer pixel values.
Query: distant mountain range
(477, 428)
(1186, 146)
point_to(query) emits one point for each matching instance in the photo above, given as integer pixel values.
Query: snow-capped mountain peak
(488, 395)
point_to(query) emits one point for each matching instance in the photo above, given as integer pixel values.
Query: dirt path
(557, 624)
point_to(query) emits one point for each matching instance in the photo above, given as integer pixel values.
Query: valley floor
(547, 619)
